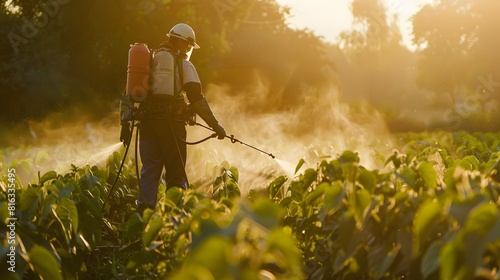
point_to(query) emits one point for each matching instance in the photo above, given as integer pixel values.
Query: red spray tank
(139, 59)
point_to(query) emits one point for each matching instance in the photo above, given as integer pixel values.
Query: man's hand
(221, 132)
(125, 134)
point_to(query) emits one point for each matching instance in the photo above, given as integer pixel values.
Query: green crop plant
(430, 212)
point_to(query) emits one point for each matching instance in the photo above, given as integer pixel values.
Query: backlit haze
(329, 18)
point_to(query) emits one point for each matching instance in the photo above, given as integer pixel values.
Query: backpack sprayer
(137, 91)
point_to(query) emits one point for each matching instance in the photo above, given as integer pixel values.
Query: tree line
(57, 54)
(60, 53)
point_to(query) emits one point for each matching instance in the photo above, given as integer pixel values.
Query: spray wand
(234, 140)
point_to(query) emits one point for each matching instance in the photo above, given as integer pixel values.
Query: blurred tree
(377, 67)
(444, 31)
(272, 66)
(31, 68)
(459, 51)
(372, 29)
(62, 53)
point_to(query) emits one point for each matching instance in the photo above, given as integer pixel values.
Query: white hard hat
(185, 32)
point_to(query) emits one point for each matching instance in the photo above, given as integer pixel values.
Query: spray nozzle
(234, 140)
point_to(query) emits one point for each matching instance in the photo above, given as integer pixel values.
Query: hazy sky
(328, 18)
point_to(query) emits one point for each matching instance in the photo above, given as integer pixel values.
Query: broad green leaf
(428, 174)
(285, 249)
(90, 203)
(481, 219)
(88, 182)
(174, 195)
(450, 179)
(276, 186)
(217, 261)
(470, 163)
(461, 148)
(481, 227)
(450, 263)
(318, 192)
(232, 190)
(133, 226)
(349, 164)
(66, 190)
(46, 207)
(408, 176)
(67, 212)
(381, 258)
(410, 155)
(296, 190)
(267, 213)
(331, 170)
(427, 217)
(444, 155)
(349, 157)
(299, 165)
(192, 272)
(44, 263)
(349, 235)
(492, 162)
(152, 229)
(228, 202)
(285, 202)
(47, 176)
(61, 188)
(400, 197)
(431, 259)
(360, 202)
(147, 215)
(460, 209)
(333, 197)
(394, 159)
(235, 174)
(368, 179)
(29, 199)
(310, 175)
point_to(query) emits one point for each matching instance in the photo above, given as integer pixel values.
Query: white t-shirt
(190, 74)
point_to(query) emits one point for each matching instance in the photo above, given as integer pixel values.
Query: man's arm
(201, 107)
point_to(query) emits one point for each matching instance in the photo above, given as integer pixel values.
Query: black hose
(176, 136)
(199, 141)
(119, 169)
(141, 193)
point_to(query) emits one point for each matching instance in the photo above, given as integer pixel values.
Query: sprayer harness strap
(177, 61)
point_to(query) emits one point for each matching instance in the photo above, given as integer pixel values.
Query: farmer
(162, 128)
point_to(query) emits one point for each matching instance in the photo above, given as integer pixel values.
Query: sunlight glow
(330, 18)
(11, 7)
